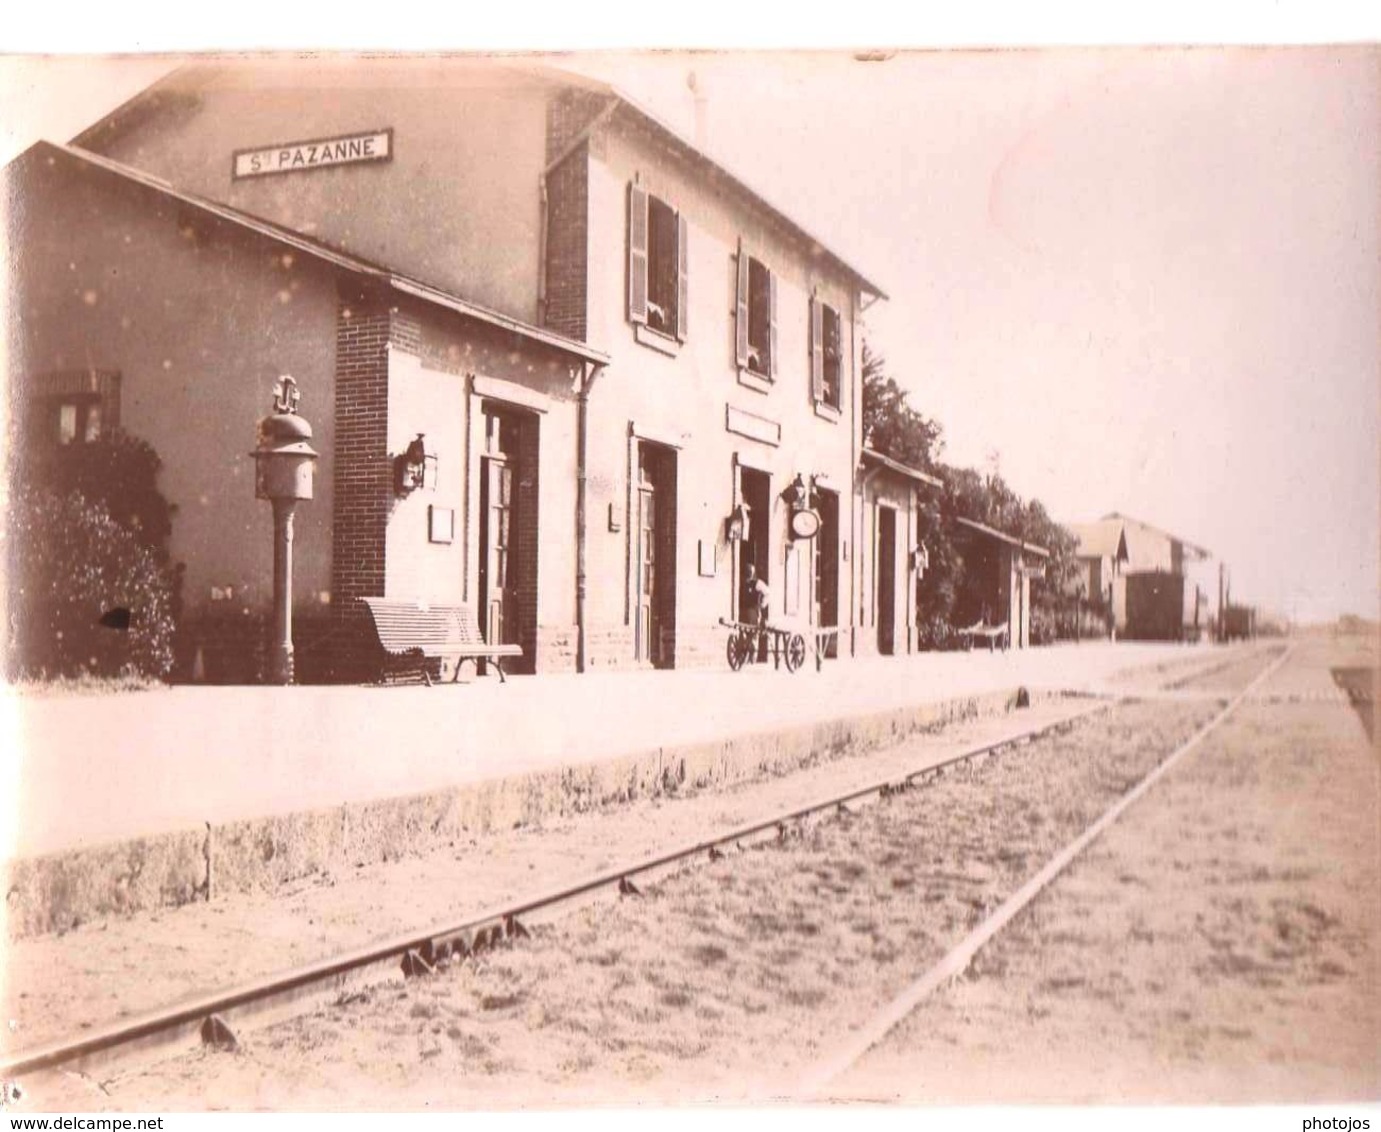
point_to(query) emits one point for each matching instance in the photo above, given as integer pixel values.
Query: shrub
(118, 472)
(70, 564)
(1043, 627)
(935, 633)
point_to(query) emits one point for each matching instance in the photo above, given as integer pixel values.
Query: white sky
(1149, 280)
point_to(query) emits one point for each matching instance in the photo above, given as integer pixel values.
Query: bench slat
(407, 628)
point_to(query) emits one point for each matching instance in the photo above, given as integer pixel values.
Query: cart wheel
(795, 652)
(735, 651)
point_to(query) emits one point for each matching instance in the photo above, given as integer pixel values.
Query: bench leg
(498, 664)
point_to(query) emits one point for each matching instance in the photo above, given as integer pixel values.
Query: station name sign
(322, 153)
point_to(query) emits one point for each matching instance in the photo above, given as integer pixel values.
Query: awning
(869, 456)
(1000, 536)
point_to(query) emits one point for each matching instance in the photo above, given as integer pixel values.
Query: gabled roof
(1190, 549)
(1104, 538)
(871, 456)
(315, 248)
(686, 148)
(626, 105)
(1002, 536)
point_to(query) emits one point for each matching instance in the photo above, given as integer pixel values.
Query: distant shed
(1000, 567)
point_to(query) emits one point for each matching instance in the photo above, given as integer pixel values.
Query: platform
(126, 801)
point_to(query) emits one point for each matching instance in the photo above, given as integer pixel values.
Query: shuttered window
(756, 324)
(826, 354)
(637, 255)
(657, 264)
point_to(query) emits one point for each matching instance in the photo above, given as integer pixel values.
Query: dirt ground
(115, 968)
(720, 983)
(1217, 945)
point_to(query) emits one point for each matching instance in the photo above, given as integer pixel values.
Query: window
(656, 265)
(756, 330)
(74, 407)
(826, 355)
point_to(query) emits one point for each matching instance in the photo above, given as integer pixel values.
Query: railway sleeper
(414, 965)
(216, 1032)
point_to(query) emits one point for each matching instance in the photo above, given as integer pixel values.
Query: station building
(561, 365)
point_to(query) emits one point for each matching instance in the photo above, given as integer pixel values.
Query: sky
(1143, 280)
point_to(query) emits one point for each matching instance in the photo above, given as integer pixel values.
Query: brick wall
(567, 266)
(609, 647)
(363, 477)
(556, 648)
(567, 114)
(700, 646)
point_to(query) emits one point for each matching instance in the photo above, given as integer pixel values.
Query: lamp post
(285, 465)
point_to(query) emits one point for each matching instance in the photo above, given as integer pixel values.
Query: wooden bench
(993, 634)
(419, 631)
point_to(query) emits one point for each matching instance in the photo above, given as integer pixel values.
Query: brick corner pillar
(568, 223)
(363, 476)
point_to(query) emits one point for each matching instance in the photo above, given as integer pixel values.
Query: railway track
(816, 1082)
(213, 1018)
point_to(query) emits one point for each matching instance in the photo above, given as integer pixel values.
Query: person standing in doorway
(756, 597)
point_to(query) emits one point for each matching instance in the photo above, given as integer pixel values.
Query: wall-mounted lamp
(415, 467)
(795, 492)
(737, 524)
(920, 559)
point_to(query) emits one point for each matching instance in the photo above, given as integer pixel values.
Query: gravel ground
(120, 967)
(722, 982)
(1231, 675)
(1216, 945)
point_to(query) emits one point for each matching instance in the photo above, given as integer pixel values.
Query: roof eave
(865, 285)
(897, 466)
(341, 260)
(1003, 536)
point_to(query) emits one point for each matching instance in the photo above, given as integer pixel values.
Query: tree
(894, 428)
(890, 425)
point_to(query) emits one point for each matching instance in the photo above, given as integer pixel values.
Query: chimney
(701, 102)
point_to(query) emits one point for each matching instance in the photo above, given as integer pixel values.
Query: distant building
(1132, 577)
(1096, 583)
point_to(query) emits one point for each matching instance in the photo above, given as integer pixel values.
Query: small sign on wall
(321, 153)
(708, 560)
(441, 524)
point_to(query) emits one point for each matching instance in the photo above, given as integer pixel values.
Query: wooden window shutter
(772, 317)
(637, 254)
(817, 349)
(682, 276)
(741, 311)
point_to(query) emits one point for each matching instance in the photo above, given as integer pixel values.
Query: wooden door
(496, 592)
(648, 630)
(887, 580)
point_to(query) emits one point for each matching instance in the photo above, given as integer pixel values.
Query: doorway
(755, 492)
(887, 580)
(654, 581)
(508, 532)
(827, 567)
